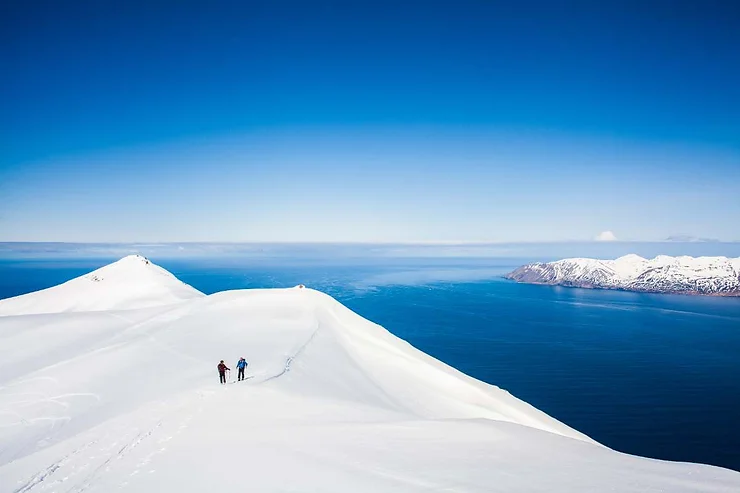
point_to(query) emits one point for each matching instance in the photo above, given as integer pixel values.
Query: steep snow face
(108, 401)
(663, 274)
(132, 282)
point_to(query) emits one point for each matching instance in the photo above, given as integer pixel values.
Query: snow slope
(663, 274)
(110, 400)
(132, 282)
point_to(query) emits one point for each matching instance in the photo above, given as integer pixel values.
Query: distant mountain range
(691, 239)
(719, 276)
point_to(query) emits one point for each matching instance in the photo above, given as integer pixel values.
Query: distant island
(716, 276)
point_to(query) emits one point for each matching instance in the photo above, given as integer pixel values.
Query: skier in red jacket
(222, 371)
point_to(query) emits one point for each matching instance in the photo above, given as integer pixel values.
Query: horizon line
(359, 243)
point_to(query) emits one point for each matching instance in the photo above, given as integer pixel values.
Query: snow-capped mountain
(663, 274)
(111, 400)
(132, 282)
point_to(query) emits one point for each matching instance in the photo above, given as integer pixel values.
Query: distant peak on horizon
(606, 236)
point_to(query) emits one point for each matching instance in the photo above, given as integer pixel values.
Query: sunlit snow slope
(132, 282)
(129, 400)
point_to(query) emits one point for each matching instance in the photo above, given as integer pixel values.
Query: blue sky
(378, 121)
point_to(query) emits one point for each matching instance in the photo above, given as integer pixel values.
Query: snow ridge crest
(131, 282)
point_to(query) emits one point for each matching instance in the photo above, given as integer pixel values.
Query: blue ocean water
(653, 375)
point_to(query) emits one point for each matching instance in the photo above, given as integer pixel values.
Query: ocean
(646, 374)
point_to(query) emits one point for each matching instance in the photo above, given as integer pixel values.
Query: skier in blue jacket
(241, 365)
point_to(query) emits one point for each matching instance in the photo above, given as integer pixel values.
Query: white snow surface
(132, 282)
(129, 400)
(698, 275)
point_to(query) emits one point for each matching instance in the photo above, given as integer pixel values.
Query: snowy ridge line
(130, 283)
(481, 400)
(717, 276)
(385, 416)
(375, 382)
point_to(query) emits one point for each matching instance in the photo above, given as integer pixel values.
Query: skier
(222, 371)
(241, 366)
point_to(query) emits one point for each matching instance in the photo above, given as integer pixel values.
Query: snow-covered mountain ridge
(719, 276)
(129, 400)
(132, 282)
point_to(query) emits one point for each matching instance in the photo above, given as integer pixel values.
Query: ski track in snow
(290, 359)
(120, 454)
(111, 456)
(45, 474)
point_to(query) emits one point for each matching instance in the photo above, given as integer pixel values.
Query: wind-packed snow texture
(688, 275)
(97, 398)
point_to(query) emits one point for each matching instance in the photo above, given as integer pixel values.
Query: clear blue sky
(377, 121)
